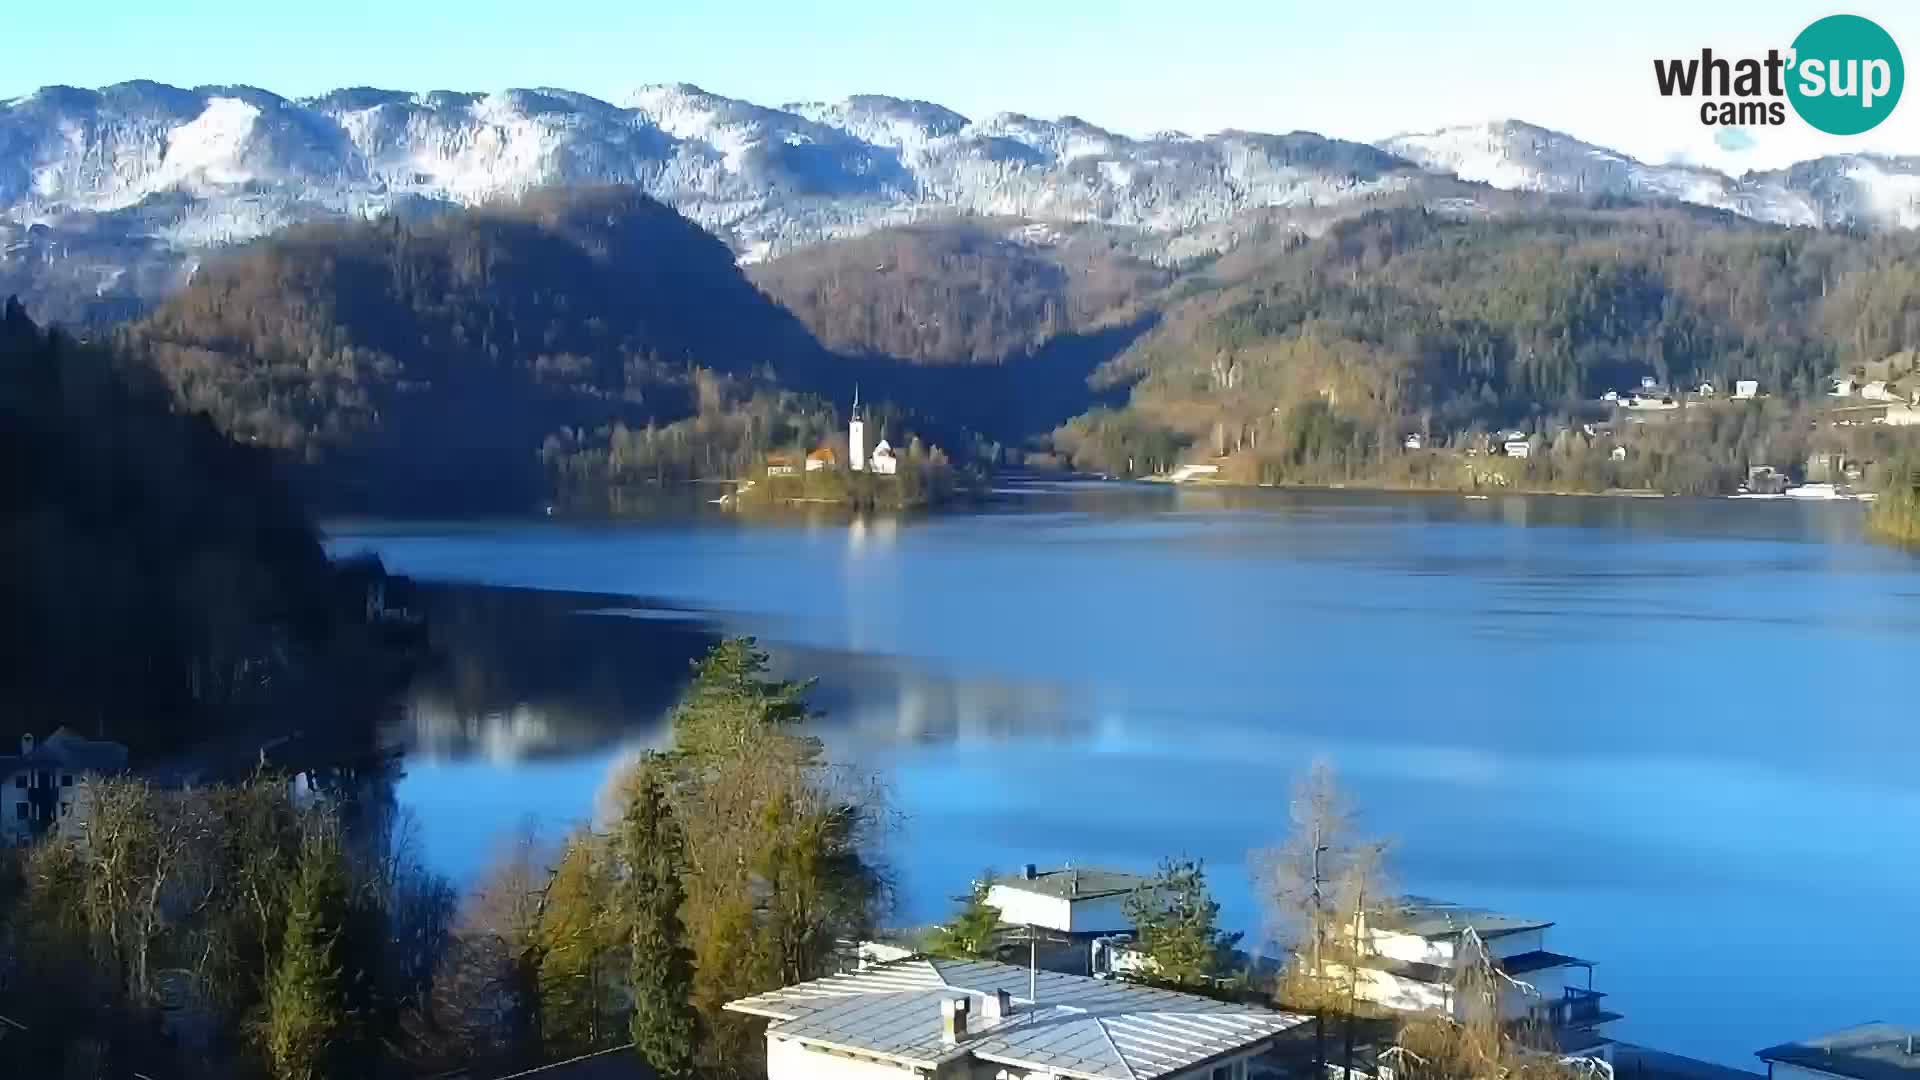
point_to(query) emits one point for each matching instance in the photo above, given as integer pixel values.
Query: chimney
(997, 1005)
(1030, 871)
(953, 1020)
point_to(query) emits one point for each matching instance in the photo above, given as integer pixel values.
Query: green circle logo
(1846, 75)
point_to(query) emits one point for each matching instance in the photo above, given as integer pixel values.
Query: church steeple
(857, 435)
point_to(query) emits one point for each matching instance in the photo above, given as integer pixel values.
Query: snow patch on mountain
(164, 169)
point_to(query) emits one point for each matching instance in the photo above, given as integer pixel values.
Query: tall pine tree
(307, 1023)
(653, 847)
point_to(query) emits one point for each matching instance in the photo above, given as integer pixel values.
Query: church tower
(857, 435)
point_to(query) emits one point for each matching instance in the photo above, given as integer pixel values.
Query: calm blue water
(1683, 730)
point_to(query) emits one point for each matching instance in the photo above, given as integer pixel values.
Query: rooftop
(67, 747)
(1874, 1051)
(1429, 918)
(1094, 1029)
(1075, 883)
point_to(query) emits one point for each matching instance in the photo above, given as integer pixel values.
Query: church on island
(882, 460)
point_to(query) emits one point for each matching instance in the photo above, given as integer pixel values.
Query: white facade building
(1414, 441)
(1518, 448)
(883, 462)
(1067, 901)
(1416, 949)
(933, 1019)
(1877, 391)
(1841, 388)
(1746, 389)
(44, 787)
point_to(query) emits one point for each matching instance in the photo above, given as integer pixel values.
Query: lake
(1682, 729)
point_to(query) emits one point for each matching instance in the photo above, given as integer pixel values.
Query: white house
(1416, 948)
(45, 785)
(1867, 1052)
(1841, 388)
(1618, 453)
(1611, 395)
(933, 1019)
(1705, 389)
(1518, 448)
(883, 461)
(1877, 391)
(1072, 900)
(1414, 441)
(1746, 389)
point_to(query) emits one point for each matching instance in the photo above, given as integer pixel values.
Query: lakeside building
(779, 465)
(1414, 441)
(883, 462)
(1876, 1051)
(924, 1018)
(1416, 948)
(1746, 389)
(45, 785)
(1073, 900)
(821, 458)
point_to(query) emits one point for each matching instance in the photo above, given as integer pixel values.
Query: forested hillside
(1325, 351)
(976, 291)
(152, 573)
(434, 358)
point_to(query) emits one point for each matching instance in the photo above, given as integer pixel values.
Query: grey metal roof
(1076, 883)
(1430, 918)
(1874, 1051)
(1091, 1028)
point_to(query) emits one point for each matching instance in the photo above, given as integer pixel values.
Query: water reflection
(1619, 714)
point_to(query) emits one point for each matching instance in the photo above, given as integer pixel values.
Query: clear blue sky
(1359, 70)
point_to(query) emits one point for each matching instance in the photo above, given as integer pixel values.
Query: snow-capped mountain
(214, 164)
(1846, 190)
(127, 184)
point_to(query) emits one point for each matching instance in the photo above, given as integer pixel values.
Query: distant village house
(883, 461)
(779, 465)
(821, 458)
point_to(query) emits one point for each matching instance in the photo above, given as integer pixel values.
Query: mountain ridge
(110, 196)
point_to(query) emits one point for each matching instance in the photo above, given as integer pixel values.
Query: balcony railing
(1575, 1007)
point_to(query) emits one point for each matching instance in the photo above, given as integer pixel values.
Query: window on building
(20, 811)
(66, 779)
(20, 781)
